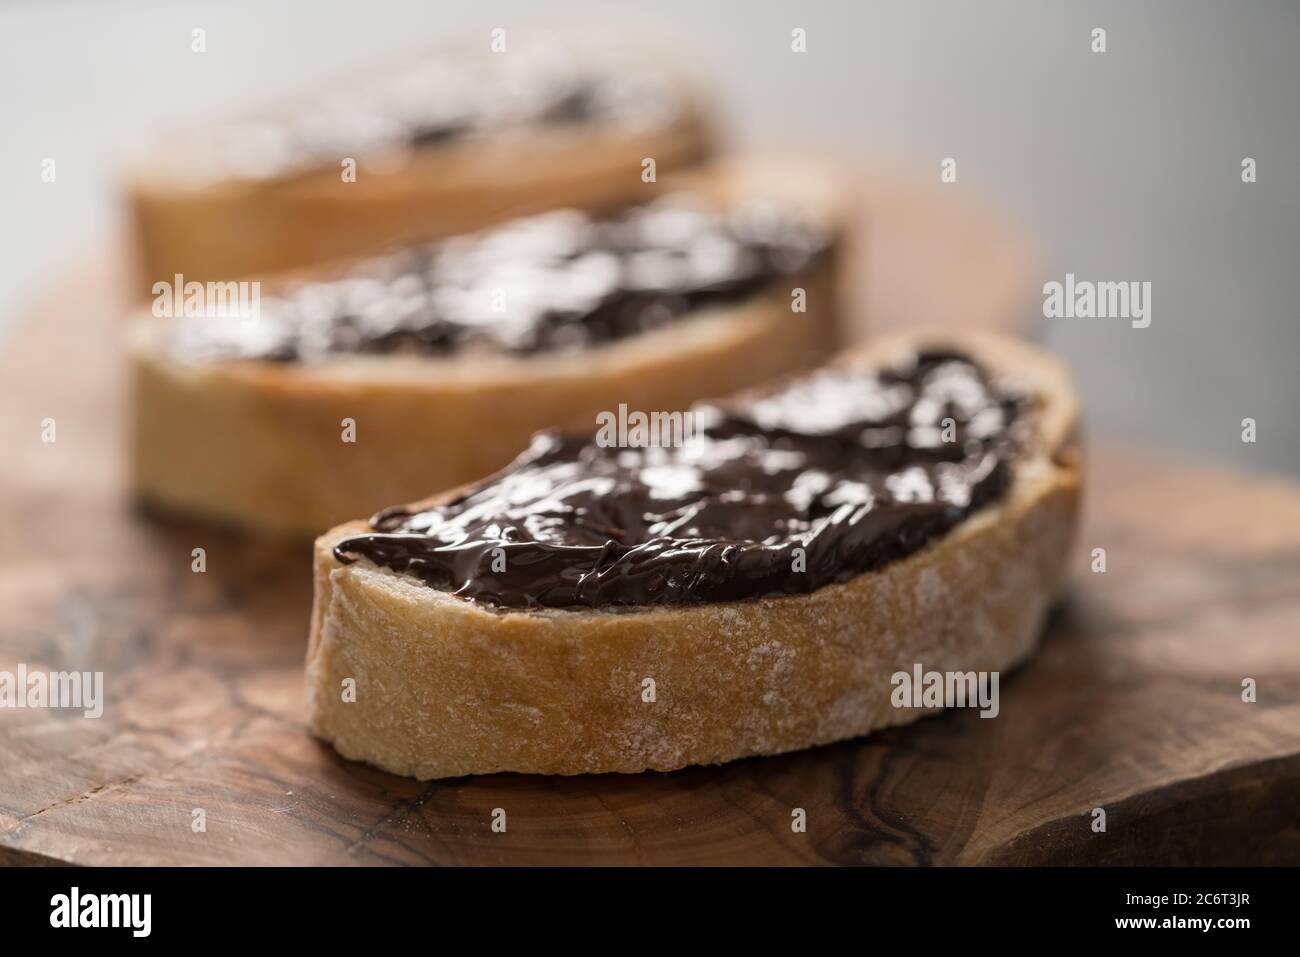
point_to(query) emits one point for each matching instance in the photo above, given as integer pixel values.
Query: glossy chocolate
(830, 476)
(559, 281)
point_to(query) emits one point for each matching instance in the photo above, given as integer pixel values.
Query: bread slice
(196, 218)
(443, 687)
(260, 444)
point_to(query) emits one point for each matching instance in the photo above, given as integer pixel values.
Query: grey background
(1125, 166)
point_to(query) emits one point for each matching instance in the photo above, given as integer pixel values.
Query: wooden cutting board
(1132, 705)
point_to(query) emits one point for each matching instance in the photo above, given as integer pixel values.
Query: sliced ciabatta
(432, 366)
(414, 149)
(423, 663)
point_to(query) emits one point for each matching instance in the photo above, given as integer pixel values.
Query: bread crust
(446, 687)
(260, 444)
(230, 228)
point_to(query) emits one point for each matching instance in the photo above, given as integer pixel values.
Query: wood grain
(1133, 703)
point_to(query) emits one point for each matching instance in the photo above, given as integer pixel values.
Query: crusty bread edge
(259, 445)
(446, 687)
(229, 228)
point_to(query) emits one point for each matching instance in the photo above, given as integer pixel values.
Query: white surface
(1125, 164)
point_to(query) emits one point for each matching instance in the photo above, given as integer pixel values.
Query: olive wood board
(1133, 703)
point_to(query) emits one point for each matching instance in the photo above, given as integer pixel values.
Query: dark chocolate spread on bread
(780, 493)
(563, 280)
(461, 92)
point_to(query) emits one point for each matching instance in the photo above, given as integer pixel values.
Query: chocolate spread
(457, 93)
(781, 493)
(559, 281)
